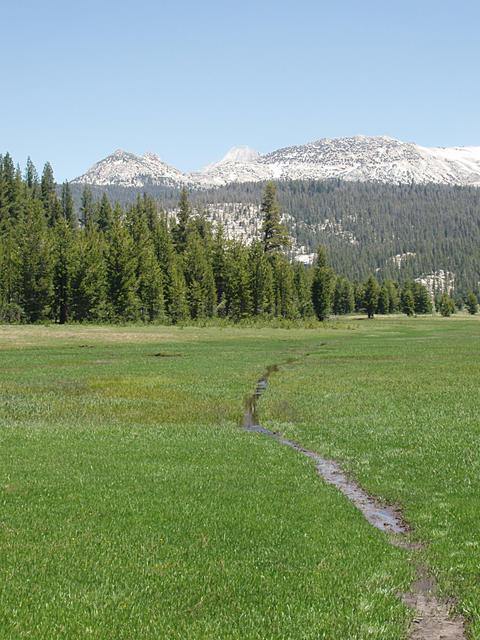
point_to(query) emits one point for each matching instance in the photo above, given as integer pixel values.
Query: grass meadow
(134, 506)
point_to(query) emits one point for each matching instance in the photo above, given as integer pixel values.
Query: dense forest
(113, 263)
(364, 225)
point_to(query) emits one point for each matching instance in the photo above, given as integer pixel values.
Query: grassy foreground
(397, 403)
(133, 506)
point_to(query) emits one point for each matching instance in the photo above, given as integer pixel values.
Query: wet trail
(432, 619)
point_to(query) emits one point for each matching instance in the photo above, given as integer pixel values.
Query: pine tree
(166, 258)
(121, 273)
(178, 306)
(472, 303)
(371, 293)
(148, 273)
(36, 264)
(237, 291)
(275, 235)
(199, 278)
(383, 305)
(322, 286)
(343, 297)
(407, 301)
(260, 281)
(8, 188)
(68, 207)
(31, 176)
(219, 267)
(359, 296)
(104, 215)
(421, 297)
(302, 290)
(47, 185)
(180, 231)
(51, 205)
(393, 296)
(63, 269)
(87, 207)
(283, 287)
(10, 263)
(89, 280)
(447, 306)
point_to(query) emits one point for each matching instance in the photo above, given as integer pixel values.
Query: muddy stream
(432, 619)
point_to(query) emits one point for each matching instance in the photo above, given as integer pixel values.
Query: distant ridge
(361, 158)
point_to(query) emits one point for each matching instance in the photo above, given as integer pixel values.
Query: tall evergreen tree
(275, 235)
(359, 296)
(63, 269)
(121, 273)
(180, 230)
(407, 301)
(166, 258)
(447, 306)
(149, 275)
(237, 291)
(87, 207)
(199, 278)
(51, 205)
(393, 296)
(383, 305)
(421, 298)
(31, 176)
(343, 297)
(36, 264)
(260, 281)
(322, 286)
(302, 291)
(89, 281)
(283, 287)
(104, 215)
(219, 268)
(371, 293)
(178, 306)
(472, 303)
(10, 263)
(8, 188)
(68, 207)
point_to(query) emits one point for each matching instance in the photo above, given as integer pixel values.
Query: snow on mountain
(125, 169)
(236, 155)
(363, 158)
(240, 164)
(379, 159)
(463, 162)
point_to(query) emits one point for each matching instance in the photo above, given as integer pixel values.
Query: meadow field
(134, 505)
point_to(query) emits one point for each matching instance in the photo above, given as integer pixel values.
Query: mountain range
(379, 159)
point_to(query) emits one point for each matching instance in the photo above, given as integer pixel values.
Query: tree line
(104, 262)
(364, 225)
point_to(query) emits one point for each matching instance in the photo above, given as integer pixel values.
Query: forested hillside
(364, 225)
(106, 262)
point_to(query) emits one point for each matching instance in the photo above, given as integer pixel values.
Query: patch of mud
(167, 354)
(432, 619)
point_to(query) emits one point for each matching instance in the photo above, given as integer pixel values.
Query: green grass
(397, 403)
(133, 505)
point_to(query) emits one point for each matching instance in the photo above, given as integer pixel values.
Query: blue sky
(188, 80)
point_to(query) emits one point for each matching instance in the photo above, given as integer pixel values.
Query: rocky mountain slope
(124, 169)
(359, 158)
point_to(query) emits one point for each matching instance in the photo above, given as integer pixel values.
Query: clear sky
(188, 79)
